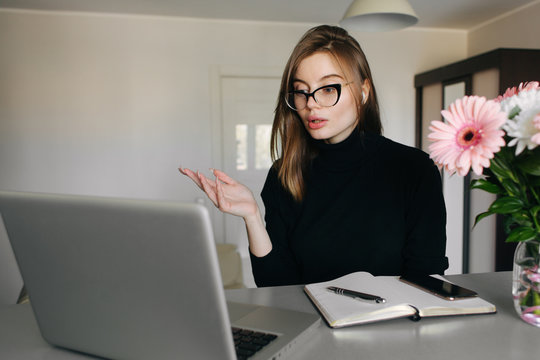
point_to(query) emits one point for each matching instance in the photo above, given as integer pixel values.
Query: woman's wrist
(259, 241)
(253, 218)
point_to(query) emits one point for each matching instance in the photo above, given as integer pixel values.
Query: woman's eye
(328, 90)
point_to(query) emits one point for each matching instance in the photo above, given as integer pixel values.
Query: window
(253, 147)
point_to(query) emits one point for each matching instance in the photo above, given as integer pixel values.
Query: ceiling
(443, 14)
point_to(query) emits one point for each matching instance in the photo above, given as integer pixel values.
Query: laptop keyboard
(248, 342)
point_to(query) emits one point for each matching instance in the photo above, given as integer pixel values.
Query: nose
(311, 103)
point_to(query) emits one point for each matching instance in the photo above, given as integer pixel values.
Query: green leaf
(481, 216)
(508, 224)
(534, 210)
(499, 168)
(515, 111)
(511, 187)
(506, 205)
(521, 233)
(506, 153)
(521, 218)
(486, 186)
(530, 165)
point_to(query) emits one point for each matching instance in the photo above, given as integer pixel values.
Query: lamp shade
(379, 15)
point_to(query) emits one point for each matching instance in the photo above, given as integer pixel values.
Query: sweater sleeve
(425, 247)
(279, 266)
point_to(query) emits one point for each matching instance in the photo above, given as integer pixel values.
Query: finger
(207, 181)
(222, 203)
(208, 189)
(185, 171)
(191, 175)
(223, 177)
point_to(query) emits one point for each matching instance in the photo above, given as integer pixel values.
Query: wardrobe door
(482, 243)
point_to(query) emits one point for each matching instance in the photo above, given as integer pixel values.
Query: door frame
(217, 74)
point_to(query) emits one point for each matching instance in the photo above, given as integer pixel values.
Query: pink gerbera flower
(471, 136)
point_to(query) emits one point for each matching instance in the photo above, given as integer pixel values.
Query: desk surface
(498, 336)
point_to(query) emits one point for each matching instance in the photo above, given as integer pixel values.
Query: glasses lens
(327, 96)
(296, 101)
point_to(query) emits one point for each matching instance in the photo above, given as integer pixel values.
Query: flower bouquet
(499, 140)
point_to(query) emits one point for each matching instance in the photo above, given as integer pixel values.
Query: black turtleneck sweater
(371, 204)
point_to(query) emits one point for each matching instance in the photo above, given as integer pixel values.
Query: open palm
(227, 194)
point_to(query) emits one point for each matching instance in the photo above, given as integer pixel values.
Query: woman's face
(331, 124)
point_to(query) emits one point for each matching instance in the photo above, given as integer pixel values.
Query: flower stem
(536, 224)
(535, 194)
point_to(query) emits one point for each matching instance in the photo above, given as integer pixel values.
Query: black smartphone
(438, 287)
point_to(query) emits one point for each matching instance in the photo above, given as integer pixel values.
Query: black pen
(356, 294)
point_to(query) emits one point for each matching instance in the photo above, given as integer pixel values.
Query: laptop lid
(123, 279)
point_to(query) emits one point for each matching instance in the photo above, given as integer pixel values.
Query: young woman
(340, 197)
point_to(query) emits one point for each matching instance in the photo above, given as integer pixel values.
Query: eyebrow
(321, 79)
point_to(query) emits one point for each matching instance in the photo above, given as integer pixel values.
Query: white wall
(518, 29)
(395, 57)
(111, 105)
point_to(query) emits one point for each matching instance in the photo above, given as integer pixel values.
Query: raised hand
(234, 198)
(227, 194)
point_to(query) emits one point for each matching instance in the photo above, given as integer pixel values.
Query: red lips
(315, 122)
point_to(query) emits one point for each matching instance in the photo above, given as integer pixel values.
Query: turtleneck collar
(348, 154)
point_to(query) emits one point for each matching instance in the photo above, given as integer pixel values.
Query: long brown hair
(291, 149)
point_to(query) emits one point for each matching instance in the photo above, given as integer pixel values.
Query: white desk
(498, 336)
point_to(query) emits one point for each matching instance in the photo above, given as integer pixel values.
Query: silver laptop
(133, 279)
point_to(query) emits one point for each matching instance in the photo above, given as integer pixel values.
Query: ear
(366, 88)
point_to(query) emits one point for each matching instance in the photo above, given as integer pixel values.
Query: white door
(248, 105)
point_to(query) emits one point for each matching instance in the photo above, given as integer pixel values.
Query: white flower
(522, 128)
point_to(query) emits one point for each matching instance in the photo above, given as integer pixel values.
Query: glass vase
(526, 281)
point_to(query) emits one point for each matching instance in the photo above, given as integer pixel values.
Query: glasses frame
(312, 94)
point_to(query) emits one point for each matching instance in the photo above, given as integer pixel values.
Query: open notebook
(133, 279)
(402, 300)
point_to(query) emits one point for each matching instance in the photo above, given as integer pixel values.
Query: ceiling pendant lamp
(378, 15)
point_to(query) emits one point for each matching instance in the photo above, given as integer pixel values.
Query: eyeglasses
(326, 96)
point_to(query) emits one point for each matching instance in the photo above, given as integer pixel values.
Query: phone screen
(439, 287)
